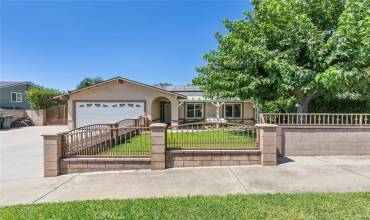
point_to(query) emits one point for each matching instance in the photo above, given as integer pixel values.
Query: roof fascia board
(18, 84)
(123, 79)
(220, 100)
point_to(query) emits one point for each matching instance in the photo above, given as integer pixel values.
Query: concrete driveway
(292, 175)
(22, 151)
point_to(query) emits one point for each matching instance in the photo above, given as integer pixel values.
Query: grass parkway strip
(268, 206)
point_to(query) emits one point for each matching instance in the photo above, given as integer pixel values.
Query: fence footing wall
(83, 165)
(199, 158)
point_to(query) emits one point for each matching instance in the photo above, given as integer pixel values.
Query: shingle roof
(7, 84)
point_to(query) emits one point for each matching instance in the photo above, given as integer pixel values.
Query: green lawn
(136, 146)
(140, 144)
(212, 139)
(270, 206)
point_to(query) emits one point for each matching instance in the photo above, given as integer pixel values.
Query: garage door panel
(88, 113)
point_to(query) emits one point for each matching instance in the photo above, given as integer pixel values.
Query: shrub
(328, 104)
(42, 98)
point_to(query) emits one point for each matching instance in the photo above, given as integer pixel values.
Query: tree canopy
(291, 49)
(89, 81)
(42, 98)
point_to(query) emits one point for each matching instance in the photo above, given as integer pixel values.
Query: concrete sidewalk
(294, 174)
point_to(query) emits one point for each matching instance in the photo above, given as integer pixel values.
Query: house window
(194, 110)
(233, 110)
(16, 97)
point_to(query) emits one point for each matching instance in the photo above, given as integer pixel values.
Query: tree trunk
(303, 105)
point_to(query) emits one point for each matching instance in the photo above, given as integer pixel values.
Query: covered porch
(164, 110)
(217, 110)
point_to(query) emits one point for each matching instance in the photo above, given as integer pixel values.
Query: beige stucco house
(119, 98)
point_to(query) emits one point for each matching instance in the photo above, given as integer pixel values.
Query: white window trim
(16, 93)
(241, 110)
(193, 103)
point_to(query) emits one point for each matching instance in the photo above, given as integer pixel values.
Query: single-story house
(13, 95)
(119, 98)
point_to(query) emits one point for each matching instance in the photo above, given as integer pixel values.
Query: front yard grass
(269, 206)
(140, 145)
(137, 146)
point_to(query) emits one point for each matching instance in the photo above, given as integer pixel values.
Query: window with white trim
(194, 110)
(16, 97)
(233, 110)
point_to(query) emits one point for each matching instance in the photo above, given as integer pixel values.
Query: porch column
(174, 112)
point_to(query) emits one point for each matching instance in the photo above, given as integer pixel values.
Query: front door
(166, 112)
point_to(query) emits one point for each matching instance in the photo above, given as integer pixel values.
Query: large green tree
(89, 82)
(298, 49)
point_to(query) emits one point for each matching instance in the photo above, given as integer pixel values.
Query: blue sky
(58, 43)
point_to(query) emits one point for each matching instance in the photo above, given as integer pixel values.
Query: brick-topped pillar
(267, 141)
(158, 146)
(52, 154)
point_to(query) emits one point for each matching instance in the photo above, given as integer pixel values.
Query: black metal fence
(126, 138)
(108, 142)
(212, 136)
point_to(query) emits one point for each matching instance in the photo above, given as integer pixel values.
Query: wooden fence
(56, 115)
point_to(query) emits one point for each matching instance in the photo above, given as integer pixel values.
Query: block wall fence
(323, 140)
(38, 117)
(273, 141)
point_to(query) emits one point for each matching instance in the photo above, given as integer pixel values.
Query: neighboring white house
(119, 98)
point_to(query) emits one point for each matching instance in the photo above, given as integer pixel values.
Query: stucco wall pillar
(148, 110)
(279, 141)
(70, 122)
(174, 112)
(52, 154)
(267, 141)
(158, 146)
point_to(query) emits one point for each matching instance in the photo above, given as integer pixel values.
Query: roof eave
(20, 83)
(62, 97)
(120, 80)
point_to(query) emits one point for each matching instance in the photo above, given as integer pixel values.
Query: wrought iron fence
(315, 119)
(107, 142)
(139, 122)
(126, 138)
(212, 136)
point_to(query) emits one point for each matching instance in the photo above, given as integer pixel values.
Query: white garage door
(88, 113)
